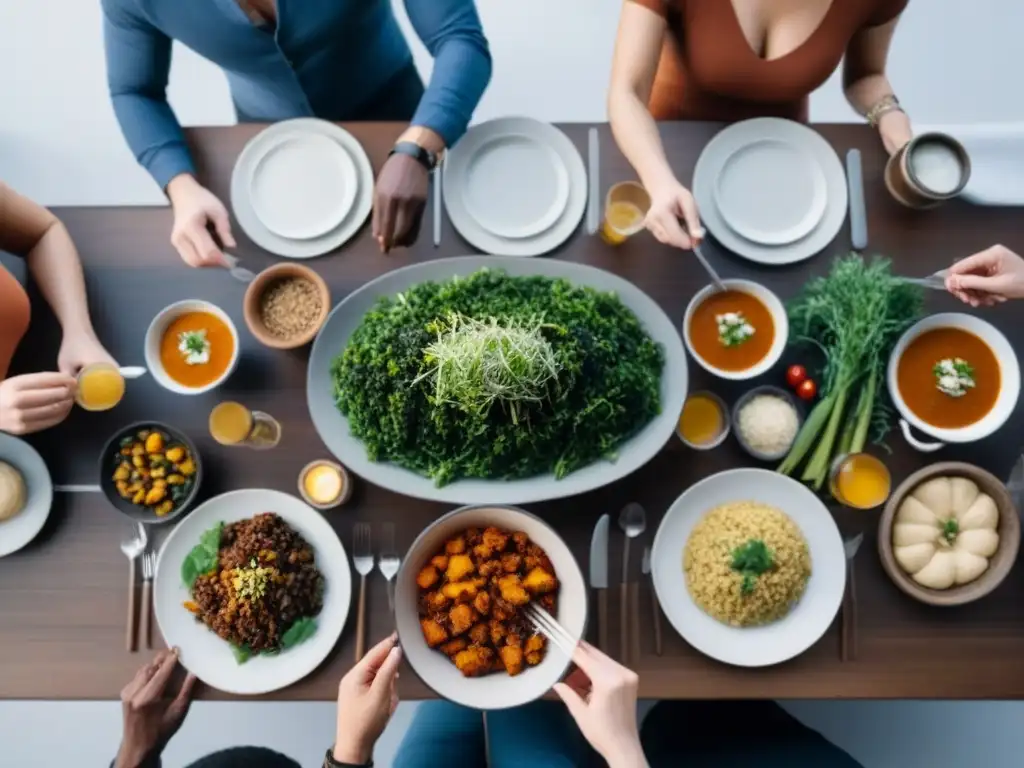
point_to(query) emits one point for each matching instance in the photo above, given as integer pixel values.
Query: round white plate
(257, 231)
(518, 184)
(303, 186)
(736, 137)
(798, 197)
(206, 655)
(772, 643)
(18, 531)
(514, 186)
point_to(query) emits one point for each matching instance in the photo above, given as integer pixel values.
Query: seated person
(36, 401)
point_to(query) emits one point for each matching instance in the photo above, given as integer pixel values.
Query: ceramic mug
(928, 170)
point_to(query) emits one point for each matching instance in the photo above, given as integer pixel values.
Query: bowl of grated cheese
(766, 421)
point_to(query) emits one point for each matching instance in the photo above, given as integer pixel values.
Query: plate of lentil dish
(254, 588)
(749, 567)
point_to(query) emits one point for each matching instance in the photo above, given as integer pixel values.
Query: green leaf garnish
(242, 653)
(203, 557)
(751, 560)
(950, 530)
(299, 632)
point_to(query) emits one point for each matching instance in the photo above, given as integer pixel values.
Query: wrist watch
(885, 105)
(422, 155)
(330, 762)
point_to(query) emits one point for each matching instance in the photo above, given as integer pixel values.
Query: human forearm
(636, 133)
(629, 756)
(873, 97)
(451, 31)
(56, 269)
(867, 90)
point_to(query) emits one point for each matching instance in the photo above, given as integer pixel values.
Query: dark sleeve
(885, 11)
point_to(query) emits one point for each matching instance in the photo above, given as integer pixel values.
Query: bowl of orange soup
(191, 347)
(953, 377)
(738, 333)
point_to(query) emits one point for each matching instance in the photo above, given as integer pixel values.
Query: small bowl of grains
(766, 421)
(286, 305)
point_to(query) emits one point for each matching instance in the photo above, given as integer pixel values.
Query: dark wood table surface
(63, 598)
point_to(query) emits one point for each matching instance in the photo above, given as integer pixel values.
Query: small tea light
(324, 484)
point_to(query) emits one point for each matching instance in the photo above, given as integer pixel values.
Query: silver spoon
(131, 371)
(633, 522)
(237, 271)
(708, 268)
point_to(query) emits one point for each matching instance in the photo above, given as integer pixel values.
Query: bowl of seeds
(286, 305)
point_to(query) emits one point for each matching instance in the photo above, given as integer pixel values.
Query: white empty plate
(205, 654)
(752, 149)
(19, 530)
(795, 204)
(771, 643)
(303, 186)
(515, 186)
(309, 132)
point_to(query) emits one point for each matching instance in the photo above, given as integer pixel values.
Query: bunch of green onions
(854, 316)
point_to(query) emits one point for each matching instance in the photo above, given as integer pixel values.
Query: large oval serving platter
(633, 454)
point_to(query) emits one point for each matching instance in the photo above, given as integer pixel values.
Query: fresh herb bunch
(854, 316)
(751, 560)
(605, 386)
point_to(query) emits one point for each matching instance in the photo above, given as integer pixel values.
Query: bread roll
(13, 493)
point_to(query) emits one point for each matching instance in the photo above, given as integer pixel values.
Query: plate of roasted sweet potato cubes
(150, 472)
(470, 589)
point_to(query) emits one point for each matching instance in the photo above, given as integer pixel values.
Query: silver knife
(593, 182)
(1015, 485)
(858, 209)
(848, 629)
(645, 567)
(599, 577)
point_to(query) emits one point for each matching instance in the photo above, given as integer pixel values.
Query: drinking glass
(234, 424)
(625, 207)
(100, 387)
(860, 481)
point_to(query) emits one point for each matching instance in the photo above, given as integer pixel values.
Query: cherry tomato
(796, 375)
(807, 389)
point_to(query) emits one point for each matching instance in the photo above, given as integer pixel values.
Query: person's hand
(195, 210)
(35, 401)
(399, 200)
(80, 348)
(987, 278)
(367, 698)
(151, 714)
(601, 696)
(894, 130)
(673, 218)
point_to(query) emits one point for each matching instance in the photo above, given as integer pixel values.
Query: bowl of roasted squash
(150, 472)
(461, 601)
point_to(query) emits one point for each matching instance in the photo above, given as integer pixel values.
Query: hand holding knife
(599, 577)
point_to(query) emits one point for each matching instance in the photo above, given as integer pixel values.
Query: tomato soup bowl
(159, 328)
(1005, 399)
(772, 306)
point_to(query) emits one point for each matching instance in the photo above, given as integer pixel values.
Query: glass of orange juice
(100, 387)
(625, 207)
(860, 481)
(232, 423)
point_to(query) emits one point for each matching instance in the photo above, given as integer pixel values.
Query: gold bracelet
(885, 105)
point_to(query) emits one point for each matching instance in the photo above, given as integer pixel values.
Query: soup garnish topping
(194, 347)
(953, 376)
(733, 329)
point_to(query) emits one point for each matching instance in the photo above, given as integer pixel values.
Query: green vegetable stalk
(853, 317)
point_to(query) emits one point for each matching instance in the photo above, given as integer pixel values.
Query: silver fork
(133, 545)
(389, 562)
(148, 571)
(549, 626)
(362, 561)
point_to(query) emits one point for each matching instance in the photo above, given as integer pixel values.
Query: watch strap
(330, 762)
(422, 155)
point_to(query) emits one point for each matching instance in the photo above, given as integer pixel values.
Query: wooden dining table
(63, 598)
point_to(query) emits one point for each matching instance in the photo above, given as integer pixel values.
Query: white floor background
(952, 62)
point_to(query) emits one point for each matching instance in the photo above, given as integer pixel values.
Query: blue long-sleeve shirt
(325, 58)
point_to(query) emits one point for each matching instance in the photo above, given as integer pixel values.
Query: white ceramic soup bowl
(779, 317)
(496, 690)
(155, 333)
(1008, 393)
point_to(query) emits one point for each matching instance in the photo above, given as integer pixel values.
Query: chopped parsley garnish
(751, 560)
(954, 376)
(733, 329)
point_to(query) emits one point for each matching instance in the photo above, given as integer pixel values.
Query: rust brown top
(709, 70)
(22, 224)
